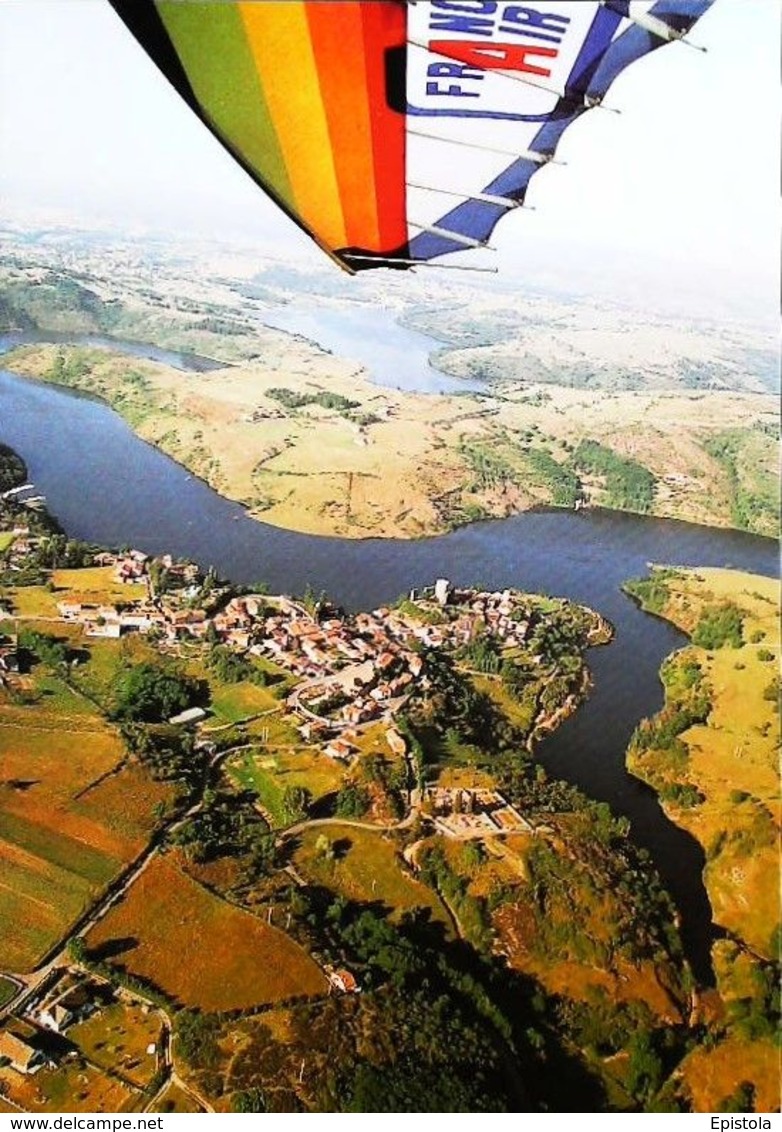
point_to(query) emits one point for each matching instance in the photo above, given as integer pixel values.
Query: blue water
(395, 356)
(106, 485)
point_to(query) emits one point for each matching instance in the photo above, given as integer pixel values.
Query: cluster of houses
(169, 614)
(353, 670)
(26, 1044)
(20, 545)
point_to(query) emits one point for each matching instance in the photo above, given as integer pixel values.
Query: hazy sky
(677, 193)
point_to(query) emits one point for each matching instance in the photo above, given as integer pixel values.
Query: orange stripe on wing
(337, 34)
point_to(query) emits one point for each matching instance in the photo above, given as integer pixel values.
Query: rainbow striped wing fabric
(397, 132)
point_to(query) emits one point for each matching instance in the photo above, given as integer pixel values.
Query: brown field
(200, 950)
(37, 902)
(52, 861)
(314, 470)
(72, 812)
(128, 799)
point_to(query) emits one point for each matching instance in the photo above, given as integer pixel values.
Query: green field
(365, 867)
(116, 1039)
(269, 772)
(7, 990)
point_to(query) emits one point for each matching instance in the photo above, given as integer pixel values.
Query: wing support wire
(487, 198)
(658, 27)
(525, 154)
(588, 102)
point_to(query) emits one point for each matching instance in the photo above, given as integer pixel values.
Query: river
(394, 355)
(106, 485)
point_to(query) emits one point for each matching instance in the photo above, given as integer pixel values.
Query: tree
(77, 949)
(152, 693)
(645, 1069)
(352, 802)
(249, 1100)
(197, 1036)
(296, 801)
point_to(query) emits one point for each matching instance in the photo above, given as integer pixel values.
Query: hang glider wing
(394, 132)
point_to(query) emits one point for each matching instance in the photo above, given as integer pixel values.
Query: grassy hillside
(667, 420)
(712, 754)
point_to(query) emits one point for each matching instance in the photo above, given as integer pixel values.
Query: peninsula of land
(566, 413)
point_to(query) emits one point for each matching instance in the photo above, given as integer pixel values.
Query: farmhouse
(71, 1006)
(102, 628)
(340, 750)
(22, 1056)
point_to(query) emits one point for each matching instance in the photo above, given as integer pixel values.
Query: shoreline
(324, 530)
(704, 819)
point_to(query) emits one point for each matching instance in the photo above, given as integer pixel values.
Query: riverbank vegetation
(711, 753)
(746, 460)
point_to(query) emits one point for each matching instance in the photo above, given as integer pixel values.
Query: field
(366, 867)
(103, 660)
(403, 465)
(7, 990)
(31, 601)
(117, 1038)
(94, 584)
(73, 1087)
(269, 771)
(73, 811)
(731, 759)
(232, 703)
(53, 861)
(199, 950)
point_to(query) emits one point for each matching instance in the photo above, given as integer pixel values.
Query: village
(352, 670)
